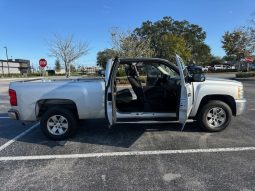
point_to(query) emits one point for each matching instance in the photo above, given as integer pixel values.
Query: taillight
(13, 97)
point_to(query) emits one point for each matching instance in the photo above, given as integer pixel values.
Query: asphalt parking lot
(129, 156)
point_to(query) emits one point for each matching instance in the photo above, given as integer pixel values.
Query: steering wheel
(161, 80)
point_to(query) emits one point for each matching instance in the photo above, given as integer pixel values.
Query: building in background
(17, 66)
(61, 71)
(86, 70)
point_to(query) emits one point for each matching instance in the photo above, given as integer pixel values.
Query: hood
(222, 81)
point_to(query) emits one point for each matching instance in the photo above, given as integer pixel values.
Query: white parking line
(17, 137)
(128, 153)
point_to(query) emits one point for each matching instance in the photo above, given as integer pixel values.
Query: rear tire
(215, 116)
(58, 123)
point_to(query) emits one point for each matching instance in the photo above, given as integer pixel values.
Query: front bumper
(240, 106)
(13, 114)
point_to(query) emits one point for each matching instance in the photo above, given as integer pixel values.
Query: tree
(240, 43)
(104, 56)
(216, 60)
(236, 44)
(72, 68)
(171, 45)
(130, 45)
(201, 54)
(67, 50)
(250, 31)
(57, 65)
(191, 33)
(229, 58)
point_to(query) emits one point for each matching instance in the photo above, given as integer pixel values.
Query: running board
(149, 122)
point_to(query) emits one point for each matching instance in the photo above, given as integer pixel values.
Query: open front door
(110, 91)
(186, 96)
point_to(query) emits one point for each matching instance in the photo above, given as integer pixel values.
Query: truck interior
(147, 87)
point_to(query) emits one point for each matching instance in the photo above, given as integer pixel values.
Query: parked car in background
(229, 67)
(101, 72)
(210, 68)
(252, 67)
(195, 69)
(218, 67)
(232, 67)
(205, 69)
(225, 67)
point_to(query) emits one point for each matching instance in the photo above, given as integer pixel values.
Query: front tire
(215, 116)
(58, 123)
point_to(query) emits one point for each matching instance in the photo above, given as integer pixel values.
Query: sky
(27, 25)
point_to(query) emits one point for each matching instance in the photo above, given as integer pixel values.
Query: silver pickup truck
(141, 89)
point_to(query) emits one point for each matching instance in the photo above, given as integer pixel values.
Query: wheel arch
(229, 100)
(45, 104)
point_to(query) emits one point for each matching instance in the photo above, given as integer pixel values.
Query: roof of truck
(155, 60)
(143, 60)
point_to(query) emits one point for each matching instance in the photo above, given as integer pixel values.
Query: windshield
(166, 70)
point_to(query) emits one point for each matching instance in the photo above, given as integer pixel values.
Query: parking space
(130, 156)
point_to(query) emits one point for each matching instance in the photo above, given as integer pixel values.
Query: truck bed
(86, 93)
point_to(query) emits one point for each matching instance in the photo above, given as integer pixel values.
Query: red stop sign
(42, 62)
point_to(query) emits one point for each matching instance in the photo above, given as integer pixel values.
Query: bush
(121, 72)
(245, 74)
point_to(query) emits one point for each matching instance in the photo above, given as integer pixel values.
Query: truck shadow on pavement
(123, 135)
(97, 132)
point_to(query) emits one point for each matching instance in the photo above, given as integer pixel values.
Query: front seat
(133, 79)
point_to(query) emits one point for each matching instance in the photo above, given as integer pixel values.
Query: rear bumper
(13, 114)
(240, 106)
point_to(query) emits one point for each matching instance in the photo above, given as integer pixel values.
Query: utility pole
(6, 52)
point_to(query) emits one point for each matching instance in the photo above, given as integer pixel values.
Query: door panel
(110, 94)
(186, 97)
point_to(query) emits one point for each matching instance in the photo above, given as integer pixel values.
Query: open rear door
(110, 91)
(186, 96)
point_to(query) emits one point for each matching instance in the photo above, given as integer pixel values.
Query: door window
(152, 72)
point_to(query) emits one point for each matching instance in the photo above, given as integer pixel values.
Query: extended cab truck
(153, 89)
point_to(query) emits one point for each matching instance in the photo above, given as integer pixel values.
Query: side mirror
(198, 78)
